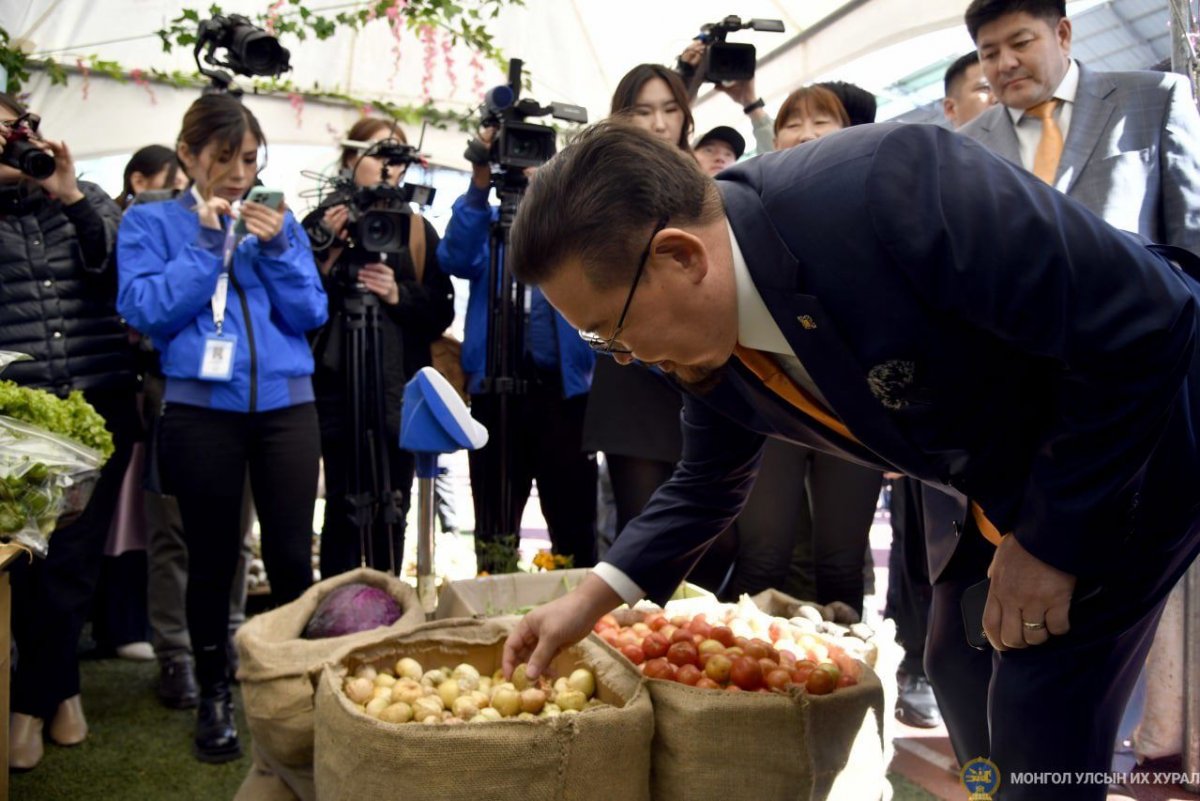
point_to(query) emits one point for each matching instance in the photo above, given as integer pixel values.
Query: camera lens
(31, 160)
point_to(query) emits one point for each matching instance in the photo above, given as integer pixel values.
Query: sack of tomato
(792, 715)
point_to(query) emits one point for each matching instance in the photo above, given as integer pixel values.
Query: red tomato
(608, 622)
(655, 645)
(831, 668)
(722, 634)
(820, 682)
(634, 654)
(698, 626)
(733, 688)
(682, 653)
(707, 683)
(688, 674)
(682, 635)
(734, 651)
(787, 659)
(718, 667)
(610, 636)
(802, 671)
(756, 649)
(767, 665)
(626, 637)
(846, 681)
(746, 673)
(668, 631)
(680, 621)
(775, 631)
(640, 629)
(741, 642)
(778, 679)
(658, 669)
(656, 621)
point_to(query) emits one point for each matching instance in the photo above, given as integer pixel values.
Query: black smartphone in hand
(973, 601)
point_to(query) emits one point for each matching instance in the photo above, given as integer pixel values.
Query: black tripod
(503, 383)
(369, 493)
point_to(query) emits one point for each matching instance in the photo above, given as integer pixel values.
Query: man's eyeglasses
(612, 344)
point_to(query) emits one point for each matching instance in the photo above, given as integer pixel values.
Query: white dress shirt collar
(756, 327)
(1067, 89)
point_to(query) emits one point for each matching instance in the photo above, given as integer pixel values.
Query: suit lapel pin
(806, 322)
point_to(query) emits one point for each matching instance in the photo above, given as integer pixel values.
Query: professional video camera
(731, 61)
(379, 215)
(20, 152)
(519, 144)
(249, 50)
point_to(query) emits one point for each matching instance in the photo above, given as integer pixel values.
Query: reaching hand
(693, 53)
(1028, 601)
(742, 92)
(545, 631)
(335, 220)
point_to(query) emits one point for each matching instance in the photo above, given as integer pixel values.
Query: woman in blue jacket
(229, 310)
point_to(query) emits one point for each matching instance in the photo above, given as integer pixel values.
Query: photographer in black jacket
(417, 303)
(57, 304)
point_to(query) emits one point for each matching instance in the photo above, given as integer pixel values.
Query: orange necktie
(1050, 146)
(772, 375)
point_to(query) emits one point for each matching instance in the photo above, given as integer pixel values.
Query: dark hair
(150, 160)
(860, 104)
(221, 119)
(981, 12)
(12, 104)
(599, 198)
(958, 70)
(810, 100)
(625, 96)
(363, 130)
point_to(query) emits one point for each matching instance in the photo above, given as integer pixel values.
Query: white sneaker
(136, 651)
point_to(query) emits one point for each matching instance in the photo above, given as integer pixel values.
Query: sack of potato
(744, 700)
(279, 649)
(425, 715)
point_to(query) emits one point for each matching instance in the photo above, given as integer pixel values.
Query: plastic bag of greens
(51, 452)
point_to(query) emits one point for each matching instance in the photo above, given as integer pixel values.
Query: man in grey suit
(1123, 143)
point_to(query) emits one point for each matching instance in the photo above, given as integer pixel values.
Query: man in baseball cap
(719, 148)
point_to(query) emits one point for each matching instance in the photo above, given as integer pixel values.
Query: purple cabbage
(352, 608)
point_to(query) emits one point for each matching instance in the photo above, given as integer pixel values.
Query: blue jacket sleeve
(159, 293)
(1112, 321)
(286, 267)
(705, 494)
(463, 251)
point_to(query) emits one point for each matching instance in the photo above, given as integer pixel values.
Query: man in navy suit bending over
(857, 294)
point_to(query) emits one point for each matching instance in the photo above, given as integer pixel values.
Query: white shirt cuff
(621, 584)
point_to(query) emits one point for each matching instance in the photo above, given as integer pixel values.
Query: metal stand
(369, 476)
(427, 471)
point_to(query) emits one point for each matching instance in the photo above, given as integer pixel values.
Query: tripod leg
(377, 442)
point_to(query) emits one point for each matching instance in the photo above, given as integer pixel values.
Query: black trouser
(545, 434)
(909, 593)
(341, 548)
(1054, 707)
(52, 596)
(205, 455)
(634, 480)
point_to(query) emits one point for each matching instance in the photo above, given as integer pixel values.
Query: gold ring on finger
(1033, 626)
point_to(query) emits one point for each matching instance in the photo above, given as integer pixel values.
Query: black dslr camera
(519, 144)
(380, 216)
(21, 153)
(731, 61)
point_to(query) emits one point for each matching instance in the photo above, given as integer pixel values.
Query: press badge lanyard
(216, 364)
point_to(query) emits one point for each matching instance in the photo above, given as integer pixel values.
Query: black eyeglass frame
(610, 345)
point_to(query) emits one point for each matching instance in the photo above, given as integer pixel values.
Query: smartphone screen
(260, 194)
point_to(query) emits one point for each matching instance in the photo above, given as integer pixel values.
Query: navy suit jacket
(974, 328)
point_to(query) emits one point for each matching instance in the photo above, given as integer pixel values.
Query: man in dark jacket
(57, 305)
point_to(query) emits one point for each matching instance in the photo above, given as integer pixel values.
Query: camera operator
(57, 292)
(418, 301)
(229, 313)
(547, 420)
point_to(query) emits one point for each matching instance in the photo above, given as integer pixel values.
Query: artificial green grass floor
(138, 749)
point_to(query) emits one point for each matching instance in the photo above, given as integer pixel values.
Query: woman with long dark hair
(152, 168)
(228, 302)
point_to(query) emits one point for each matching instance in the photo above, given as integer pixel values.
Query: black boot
(177, 683)
(916, 705)
(216, 729)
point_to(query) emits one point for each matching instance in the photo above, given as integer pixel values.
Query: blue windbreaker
(463, 252)
(167, 267)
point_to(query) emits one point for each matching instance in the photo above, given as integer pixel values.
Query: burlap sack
(601, 754)
(276, 663)
(262, 783)
(710, 744)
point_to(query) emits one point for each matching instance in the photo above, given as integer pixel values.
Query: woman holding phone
(229, 311)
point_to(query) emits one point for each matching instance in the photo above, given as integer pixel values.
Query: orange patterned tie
(1050, 146)
(768, 370)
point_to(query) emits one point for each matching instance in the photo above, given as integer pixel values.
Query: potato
(532, 700)
(506, 701)
(408, 668)
(449, 690)
(582, 680)
(408, 691)
(376, 705)
(397, 713)
(360, 689)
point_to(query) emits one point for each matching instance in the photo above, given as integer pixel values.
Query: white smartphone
(267, 197)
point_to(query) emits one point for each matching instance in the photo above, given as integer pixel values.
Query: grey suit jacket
(1132, 153)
